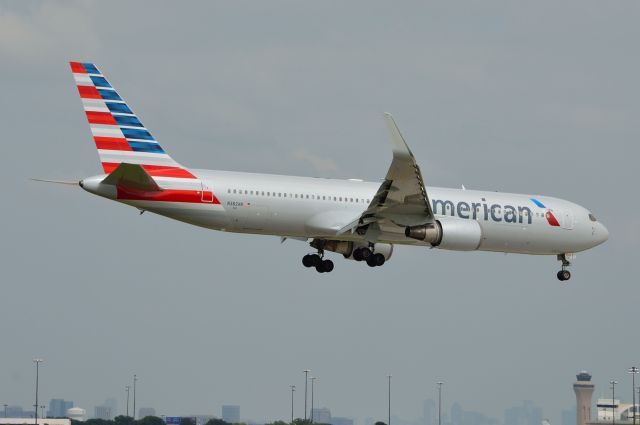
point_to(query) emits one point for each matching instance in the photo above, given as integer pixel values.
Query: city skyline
(525, 413)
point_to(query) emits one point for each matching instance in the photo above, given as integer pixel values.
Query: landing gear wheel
(564, 274)
(361, 254)
(371, 261)
(311, 260)
(327, 265)
(306, 261)
(378, 259)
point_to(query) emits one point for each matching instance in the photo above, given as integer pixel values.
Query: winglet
(400, 148)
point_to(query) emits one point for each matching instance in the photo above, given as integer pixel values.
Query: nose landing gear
(564, 274)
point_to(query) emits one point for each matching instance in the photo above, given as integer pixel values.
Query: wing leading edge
(402, 197)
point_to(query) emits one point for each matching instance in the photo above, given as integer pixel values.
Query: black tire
(357, 254)
(319, 268)
(307, 261)
(315, 260)
(560, 277)
(327, 266)
(566, 275)
(366, 253)
(371, 261)
(379, 259)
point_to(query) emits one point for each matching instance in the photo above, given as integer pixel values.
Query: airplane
(358, 219)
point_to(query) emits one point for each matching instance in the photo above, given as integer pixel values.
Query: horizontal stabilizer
(132, 176)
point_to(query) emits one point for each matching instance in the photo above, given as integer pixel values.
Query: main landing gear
(564, 274)
(365, 254)
(318, 262)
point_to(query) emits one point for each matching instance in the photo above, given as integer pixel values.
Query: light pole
(293, 389)
(135, 379)
(127, 388)
(306, 380)
(5, 410)
(37, 362)
(633, 370)
(613, 401)
(389, 400)
(313, 379)
(440, 402)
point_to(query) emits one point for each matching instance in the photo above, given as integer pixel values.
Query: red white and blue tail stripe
(121, 138)
(118, 133)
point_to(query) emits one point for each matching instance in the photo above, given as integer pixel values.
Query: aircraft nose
(601, 233)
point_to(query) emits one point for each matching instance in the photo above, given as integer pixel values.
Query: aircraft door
(207, 194)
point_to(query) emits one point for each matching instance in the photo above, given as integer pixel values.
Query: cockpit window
(592, 217)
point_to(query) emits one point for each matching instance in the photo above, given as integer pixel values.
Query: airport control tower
(584, 390)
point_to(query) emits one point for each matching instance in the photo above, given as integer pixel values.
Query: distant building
(583, 387)
(44, 421)
(341, 421)
(527, 414)
(103, 412)
(429, 412)
(143, 412)
(15, 412)
(231, 413)
(58, 407)
(321, 415)
(76, 413)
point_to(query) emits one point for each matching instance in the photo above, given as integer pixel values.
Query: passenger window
(323, 197)
(234, 191)
(228, 190)
(268, 193)
(350, 199)
(279, 194)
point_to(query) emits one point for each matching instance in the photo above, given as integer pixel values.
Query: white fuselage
(304, 207)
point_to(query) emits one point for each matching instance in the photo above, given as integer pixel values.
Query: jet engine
(448, 233)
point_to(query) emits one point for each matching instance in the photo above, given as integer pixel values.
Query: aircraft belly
(211, 216)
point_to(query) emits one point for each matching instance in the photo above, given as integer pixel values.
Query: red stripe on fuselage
(112, 143)
(167, 195)
(89, 92)
(77, 68)
(551, 219)
(101, 118)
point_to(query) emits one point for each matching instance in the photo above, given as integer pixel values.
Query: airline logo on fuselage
(494, 212)
(483, 211)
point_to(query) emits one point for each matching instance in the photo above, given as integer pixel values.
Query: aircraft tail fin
(118, 133)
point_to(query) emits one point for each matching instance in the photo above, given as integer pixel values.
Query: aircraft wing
(402, 198)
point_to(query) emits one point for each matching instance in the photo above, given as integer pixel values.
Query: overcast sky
(531, 97)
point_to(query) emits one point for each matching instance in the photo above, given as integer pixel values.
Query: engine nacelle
(448, 233)
(346, 248)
